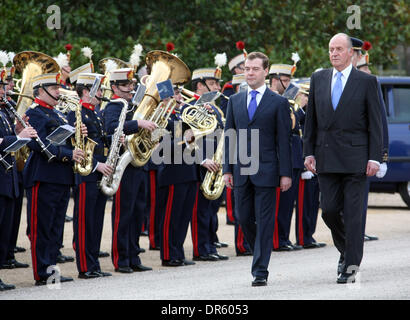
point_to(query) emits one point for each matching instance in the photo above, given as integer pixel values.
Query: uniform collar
(87, 105)
(43, 104)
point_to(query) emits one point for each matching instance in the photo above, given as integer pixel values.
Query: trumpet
(13, 93)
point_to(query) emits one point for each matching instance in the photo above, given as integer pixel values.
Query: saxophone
(85, 167)
(110, 184)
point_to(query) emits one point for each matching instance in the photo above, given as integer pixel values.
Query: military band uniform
(89, 201)
(127, 211)
(47, 188)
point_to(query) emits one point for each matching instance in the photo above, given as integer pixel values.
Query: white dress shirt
(261, 90)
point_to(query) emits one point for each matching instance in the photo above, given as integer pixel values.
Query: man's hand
(285, 183)
(28, 132)
(105, 169)
(84, 130)
(78, 155)
(372, 168)
(211, 165)
(228, 179)
(310, 164)
(19, 127)
(146, 124)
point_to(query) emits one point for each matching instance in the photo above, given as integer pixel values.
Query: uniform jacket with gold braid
(45, 120)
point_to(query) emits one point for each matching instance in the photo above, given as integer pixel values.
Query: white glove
(382, 170)
(307, 175)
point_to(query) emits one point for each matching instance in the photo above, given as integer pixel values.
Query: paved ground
(305, 274)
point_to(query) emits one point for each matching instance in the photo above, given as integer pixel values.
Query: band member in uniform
(280, 76)
(255, 186)
(47, 183)
(89, 201)
(307, 201)
(127, 212)
(11, 262)
(9, 191)
(204, 215)
(342, 144)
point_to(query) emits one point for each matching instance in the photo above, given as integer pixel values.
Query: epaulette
(227, 85)
(33, 105)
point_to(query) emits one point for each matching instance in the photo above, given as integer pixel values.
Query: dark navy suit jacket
(272, 119)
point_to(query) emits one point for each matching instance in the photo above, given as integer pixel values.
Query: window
(401, 100)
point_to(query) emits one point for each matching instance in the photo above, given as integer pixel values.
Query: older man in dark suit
(257, 110)
(343, 145)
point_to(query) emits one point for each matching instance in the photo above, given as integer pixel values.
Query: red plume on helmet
(240, 45)
(366, 46)
(170, 46)
(68, 47)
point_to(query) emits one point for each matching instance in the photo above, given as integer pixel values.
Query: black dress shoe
(89, 275)
(340, 265)
(220, 256)
(246, 253)
(140, 268)
(188, 262)
(5, 286)
(220, 244)
(65, 279)
(104, 274)
(172, 263)
(124, 270)
(345, 277)
(103, 254)
(64, 259)
(314, 245)
(141, 250)
(62, 279)
(68, 218)
(285, 247)
(370, 238)
(259, 282)
(15, 264)
(144, 233)
(7, 265)
(209, 257)
(296, 247)
(19, 249)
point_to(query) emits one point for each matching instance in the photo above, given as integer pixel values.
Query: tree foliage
(202, 28)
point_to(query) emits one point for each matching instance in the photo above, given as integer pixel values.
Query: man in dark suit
(257, 110)
(343, 144)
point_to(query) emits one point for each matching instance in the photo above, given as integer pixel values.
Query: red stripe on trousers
(33, 228)
(239, 240)
(166, 222)
(195, 225)
(301, 195)
(116, 224)
(229, 204)
(276, 226)
(152, 210)
(81, 228)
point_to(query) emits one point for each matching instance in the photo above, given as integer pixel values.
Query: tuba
(163, 66)
(31, 64)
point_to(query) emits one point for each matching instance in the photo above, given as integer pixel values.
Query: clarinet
(44, 149)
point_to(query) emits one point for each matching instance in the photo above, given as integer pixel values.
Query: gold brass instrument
(85, 167)
(163, 66)
(31, 64)
(68, 100)
(213, 184)
(197, 117)
(105, 85)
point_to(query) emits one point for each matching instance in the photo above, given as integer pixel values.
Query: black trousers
(256, 215)
(342, 206)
